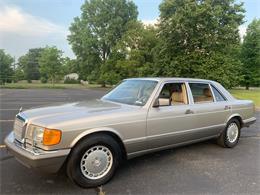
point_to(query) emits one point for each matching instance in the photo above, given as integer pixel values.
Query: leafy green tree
(135, 51)
(94, 34)
(6, 70)
(70, 66)
(250, 55)
(18, 74)
(29, 63)
(133, 54)
(197, 39)
(51, 63)
(22, 67)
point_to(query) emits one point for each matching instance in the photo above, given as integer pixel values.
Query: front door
(171, 122)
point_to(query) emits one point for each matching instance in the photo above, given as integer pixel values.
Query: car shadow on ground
(192, 169)
(46, 183)
(22, 180)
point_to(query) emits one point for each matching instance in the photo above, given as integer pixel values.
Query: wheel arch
(236, 116)
(107, 131)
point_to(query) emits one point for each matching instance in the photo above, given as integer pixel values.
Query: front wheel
(93, 161)
(230, 136)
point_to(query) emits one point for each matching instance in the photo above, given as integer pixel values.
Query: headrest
(207, 92)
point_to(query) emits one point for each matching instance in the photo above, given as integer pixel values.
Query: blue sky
(26, 24)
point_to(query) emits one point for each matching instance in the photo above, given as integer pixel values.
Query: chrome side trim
(139, 153)
(137, 140)
(249, 121)
(236, 109)
(185, 131)
(134, 140)
(170, 117)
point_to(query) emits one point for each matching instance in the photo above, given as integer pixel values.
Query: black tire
(74, 167)
(223, 140)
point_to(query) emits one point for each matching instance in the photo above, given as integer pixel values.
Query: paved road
(196, 169)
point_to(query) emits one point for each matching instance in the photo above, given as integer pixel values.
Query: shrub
(71, 81)
(44, 79)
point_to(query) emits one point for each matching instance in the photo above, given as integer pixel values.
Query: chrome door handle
(189, 111)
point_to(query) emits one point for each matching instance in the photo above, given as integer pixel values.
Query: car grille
(19, 128)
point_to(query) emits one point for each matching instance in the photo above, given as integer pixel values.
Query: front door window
(174, 93)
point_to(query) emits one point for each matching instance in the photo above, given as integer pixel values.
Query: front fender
(94, 130)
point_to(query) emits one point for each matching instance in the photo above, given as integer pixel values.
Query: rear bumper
(248, 122)
(46, 161)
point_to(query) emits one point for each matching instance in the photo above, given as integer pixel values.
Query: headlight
(37, 134)
(45, 136)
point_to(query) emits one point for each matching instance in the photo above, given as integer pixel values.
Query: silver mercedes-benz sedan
(139, 116)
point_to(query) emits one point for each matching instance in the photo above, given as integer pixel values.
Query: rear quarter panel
(243, 108)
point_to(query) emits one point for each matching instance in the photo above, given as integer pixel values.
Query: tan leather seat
(207, 94)
(206, 97)
(184, 93)
(179, 97)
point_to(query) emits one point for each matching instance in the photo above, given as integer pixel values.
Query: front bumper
(41, 160)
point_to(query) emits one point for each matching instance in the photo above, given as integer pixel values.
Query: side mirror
(161, 102)
(156, 103)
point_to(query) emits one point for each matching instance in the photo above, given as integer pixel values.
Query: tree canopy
(6, 70)
(250, 55)
(192, 38)
(51, 63)
(29, 63)
(136, 50)
(198, 39)
(94, 34)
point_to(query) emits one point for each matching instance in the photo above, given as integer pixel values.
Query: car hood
(51, 116)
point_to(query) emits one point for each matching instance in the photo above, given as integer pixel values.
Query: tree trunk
(103, 84)
(247, 87)
(52, 81)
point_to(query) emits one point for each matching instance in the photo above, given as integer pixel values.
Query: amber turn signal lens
(51, 137)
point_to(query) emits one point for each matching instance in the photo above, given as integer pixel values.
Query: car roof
(165, 79)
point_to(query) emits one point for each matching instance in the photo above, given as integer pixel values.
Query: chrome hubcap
(96, 162)
(232, 132)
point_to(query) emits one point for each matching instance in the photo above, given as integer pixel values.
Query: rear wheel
(93, 161)
(230, 136)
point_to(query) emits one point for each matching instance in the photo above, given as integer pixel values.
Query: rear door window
(218, 96)
(201, 92)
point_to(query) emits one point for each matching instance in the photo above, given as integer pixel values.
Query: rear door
(209, 107)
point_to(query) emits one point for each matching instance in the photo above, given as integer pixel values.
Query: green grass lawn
(252, 94)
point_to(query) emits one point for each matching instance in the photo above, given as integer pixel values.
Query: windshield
(133, 92)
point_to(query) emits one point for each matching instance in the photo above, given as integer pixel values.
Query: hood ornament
(21, 109)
